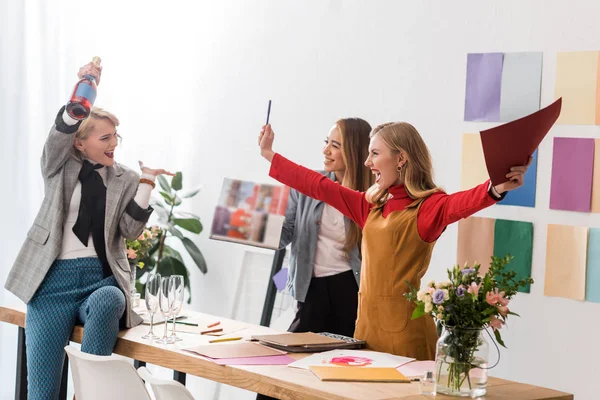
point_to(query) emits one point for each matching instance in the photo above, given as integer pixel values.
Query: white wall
(191, 83)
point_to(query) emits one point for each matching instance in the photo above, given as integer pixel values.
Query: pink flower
(496, 323)
(131, 254)
(430, 290)
(501, 299)
(474, 289)
(503, 310)
(494, 298)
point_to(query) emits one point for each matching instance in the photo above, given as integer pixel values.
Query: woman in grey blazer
(72, 267)
(324, 270)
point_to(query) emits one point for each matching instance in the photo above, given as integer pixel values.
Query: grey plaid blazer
(124, 218)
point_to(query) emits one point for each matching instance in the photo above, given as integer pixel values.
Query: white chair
(165, 389)
(104, 377)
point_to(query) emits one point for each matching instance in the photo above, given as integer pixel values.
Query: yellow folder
(358, 374)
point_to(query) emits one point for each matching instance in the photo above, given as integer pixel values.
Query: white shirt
(330, 258)
(71, 245)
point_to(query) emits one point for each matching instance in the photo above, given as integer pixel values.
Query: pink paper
(416, 368)
(572, 168)
(263, 360)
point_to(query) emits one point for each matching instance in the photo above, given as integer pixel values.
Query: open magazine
(250, 213)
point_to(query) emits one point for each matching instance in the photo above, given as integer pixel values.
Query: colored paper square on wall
(525, 195)
(592, 285)
(483, 86)
(596, 178)
(566, 254)
(474, 172)
(515, 238)
(572, 170)
(578, 84)
(521, 85)
(476, 242)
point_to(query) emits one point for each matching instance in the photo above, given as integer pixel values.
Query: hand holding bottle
(92, 68)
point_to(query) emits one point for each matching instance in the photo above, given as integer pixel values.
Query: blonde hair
(417, 172)
(87, 126)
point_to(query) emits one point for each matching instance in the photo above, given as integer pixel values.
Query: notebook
(308, 341)
(353, 374)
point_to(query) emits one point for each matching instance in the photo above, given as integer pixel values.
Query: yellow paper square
(566, 258)
(474, 171)
(577, 83)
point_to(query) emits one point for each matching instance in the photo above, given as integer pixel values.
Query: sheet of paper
(521, 85)
(476, 242)
(473, 170)
(234, 350)
(577, 83)
(572, 169)
(592, 286)
(512, 144)
(353, 358)
(264, 360)
(483, 87)
(566, 251)
(280, 279)
(515, 238)
(525, 195)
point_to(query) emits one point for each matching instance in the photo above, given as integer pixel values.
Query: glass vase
(462, 362)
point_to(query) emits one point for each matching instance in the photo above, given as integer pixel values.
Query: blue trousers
(72, 292)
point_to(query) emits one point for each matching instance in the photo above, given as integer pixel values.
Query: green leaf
(189, 224)
(191, 194)
(513, 313)
(167, 198)
(419, 311)
(175, 232)
(177, 181)
(177, 200)
(164, 184)
(195, 254)
(499, 338)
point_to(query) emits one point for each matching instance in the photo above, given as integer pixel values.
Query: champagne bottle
(84, 94)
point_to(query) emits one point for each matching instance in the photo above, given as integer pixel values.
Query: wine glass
(166, 300)
(152, 296)
(178, 290)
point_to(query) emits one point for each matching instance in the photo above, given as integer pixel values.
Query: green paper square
(515, 238)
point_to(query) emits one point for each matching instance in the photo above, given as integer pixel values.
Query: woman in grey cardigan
(72, 267)
(324, 269)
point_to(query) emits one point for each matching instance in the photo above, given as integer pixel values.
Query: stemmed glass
(152, 297)
(177, 287)
(166, 300)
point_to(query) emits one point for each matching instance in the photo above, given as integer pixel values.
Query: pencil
(213, 325)
(224, 340)
(212, 331)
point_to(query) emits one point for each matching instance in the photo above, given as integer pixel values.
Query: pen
(224, 340)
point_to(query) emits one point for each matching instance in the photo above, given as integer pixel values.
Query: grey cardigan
(301, 228)
(124, 219)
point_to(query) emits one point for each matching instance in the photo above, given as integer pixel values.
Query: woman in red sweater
(402, 215)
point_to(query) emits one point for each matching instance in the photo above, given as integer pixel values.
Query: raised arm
(59, 142)
(440, 209)
(349, 202)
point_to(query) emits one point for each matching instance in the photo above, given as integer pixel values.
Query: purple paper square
(572, 170)
(483, 88)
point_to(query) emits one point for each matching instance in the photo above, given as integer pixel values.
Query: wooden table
(276, 381)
